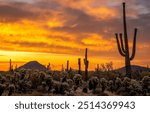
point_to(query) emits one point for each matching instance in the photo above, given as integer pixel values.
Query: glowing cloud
(66, 28)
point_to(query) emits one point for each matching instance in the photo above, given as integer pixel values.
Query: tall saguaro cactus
(123, 46)
(79, 65)
(86, 63)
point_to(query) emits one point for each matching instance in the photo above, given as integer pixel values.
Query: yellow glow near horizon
(56, 60)
(21, 58)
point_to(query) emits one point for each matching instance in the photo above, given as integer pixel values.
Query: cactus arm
(122, 45)
(119, 47)
(134, 45)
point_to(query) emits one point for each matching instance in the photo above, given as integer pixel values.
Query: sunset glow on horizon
(54, 31)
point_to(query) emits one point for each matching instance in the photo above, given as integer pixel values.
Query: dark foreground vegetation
(37, 83)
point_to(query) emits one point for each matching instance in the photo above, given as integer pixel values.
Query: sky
(59, 30)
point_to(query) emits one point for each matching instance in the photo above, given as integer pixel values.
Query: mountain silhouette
(134, 69)
(33, 65)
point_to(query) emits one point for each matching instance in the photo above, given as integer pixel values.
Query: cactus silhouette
(16, 67)
(86, 63)
(10, 66)
(97, 68)
(67, 66)
(79, 65)
(123, 46)
(62, 67)
(49, 66)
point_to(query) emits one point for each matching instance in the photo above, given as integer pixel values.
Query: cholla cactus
(103, 83)
(146, 80)
(28, 85)
(60, 88)
(93, 82)
(44, 84)
(135, 88)
(110, 85)
(77, 79)
(49, 82)
(11, 89)
(126, 82)
(70, 82)
(64, 76)
(42, 76)
(118, 83)
(3, 79)
(2, 88)
(85, 87)
(64, 87)
(146, 85)
(124, 89)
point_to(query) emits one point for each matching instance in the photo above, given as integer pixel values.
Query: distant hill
(33, 65)
(134, 68)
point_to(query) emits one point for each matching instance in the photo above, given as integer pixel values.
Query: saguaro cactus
(62, 67)
(16, 67)
(67, 66)
(97, 68)
(123, 46)
(79, 66)
(86, 63)
(10, 66)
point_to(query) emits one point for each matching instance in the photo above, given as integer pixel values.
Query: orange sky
(59, 30)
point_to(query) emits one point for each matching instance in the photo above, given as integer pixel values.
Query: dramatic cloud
(70, 26)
